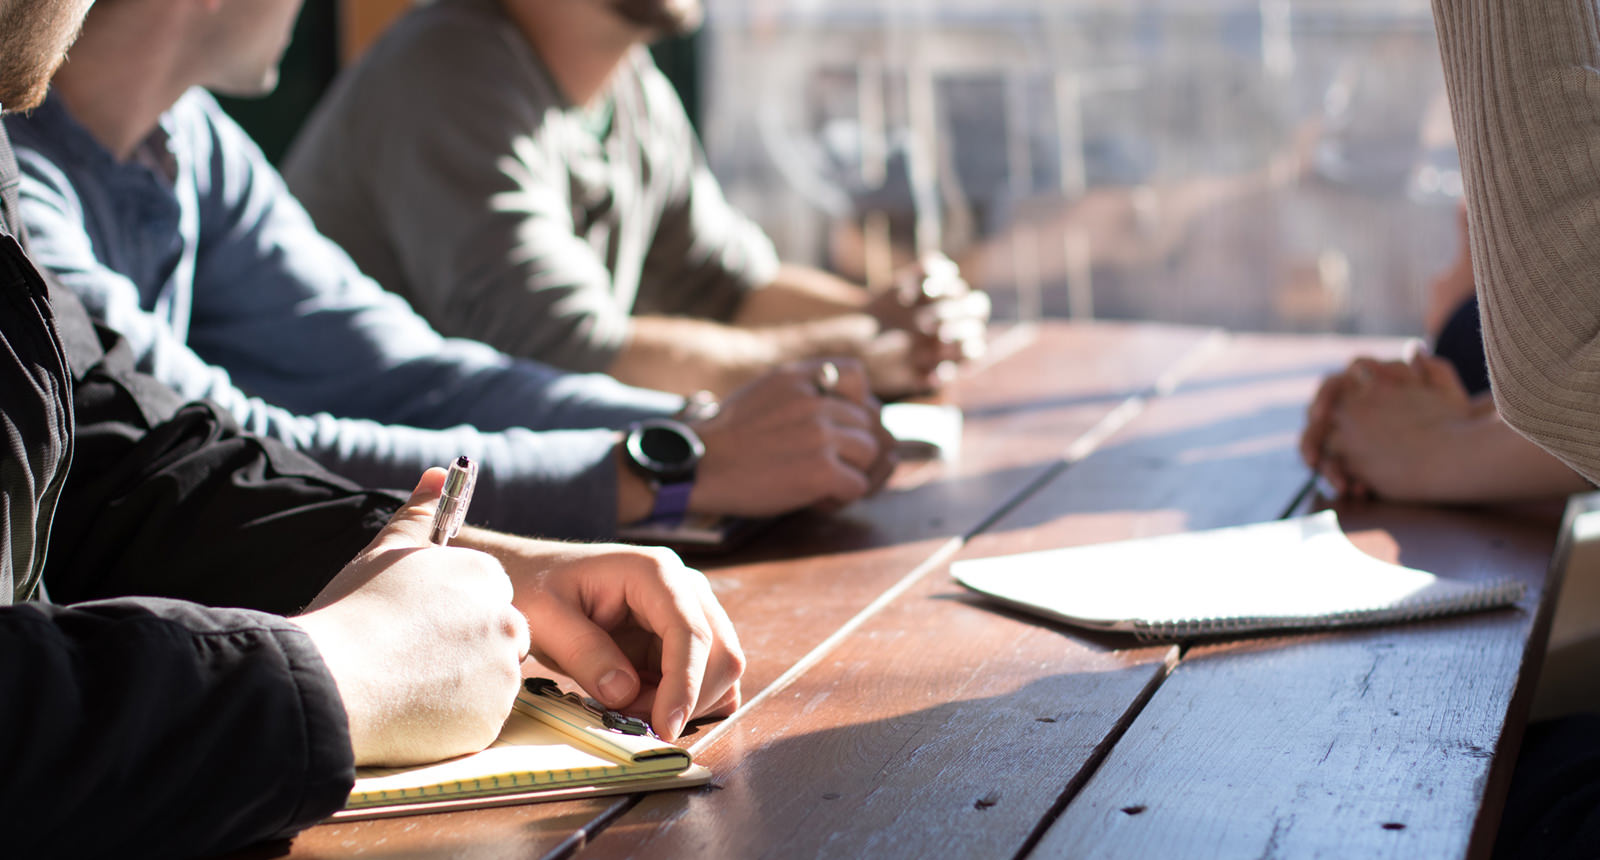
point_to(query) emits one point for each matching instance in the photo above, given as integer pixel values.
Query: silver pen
(453, 500)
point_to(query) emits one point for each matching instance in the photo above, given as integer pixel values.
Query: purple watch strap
(672, 501)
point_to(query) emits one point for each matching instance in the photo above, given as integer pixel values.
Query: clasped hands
(1382, 428)
(930, 321)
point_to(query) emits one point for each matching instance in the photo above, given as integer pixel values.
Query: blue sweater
(194, 250)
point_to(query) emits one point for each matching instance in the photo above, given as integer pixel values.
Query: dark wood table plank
(1385, 742)
(800, 582)
(894, 715)
(512, 833)
(1381, 742)
(943, 728)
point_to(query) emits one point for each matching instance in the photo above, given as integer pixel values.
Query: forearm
(800, 293)
(521, 554)
(1485, 460)
(686, 355)
(1523, 92)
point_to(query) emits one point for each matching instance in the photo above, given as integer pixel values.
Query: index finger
(673, 612)
(1318, 418)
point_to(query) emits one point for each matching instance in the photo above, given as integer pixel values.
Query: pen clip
(454, 498)
(617, 722)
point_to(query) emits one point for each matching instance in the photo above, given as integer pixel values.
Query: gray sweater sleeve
(1524, 84)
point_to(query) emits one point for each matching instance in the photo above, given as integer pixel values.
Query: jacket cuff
(329, 766)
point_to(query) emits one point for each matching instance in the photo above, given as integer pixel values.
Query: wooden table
(889, 714)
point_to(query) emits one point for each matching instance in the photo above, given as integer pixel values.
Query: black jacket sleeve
(171, 499)
(156, 728)
(150, 727)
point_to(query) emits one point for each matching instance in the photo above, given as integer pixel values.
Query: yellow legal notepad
(552, 747)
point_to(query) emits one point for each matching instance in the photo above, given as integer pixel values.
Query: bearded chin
(661, 18)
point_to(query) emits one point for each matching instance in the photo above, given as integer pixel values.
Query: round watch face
(665, 448)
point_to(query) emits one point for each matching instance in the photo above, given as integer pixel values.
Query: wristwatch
(665, 452)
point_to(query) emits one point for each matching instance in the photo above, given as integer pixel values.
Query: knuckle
(696, 578)
(474, 563)
(511, 626)
(735, 660)
(663, 557)
(825, 483)
(813, 436)
(700, 636)
(508, 675)
(657, 561)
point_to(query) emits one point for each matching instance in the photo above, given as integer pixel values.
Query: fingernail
(675, 723)
(615, 686)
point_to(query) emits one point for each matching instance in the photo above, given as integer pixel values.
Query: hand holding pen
(423, 641)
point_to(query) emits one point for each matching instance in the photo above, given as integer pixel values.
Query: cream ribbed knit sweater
(1524, 81)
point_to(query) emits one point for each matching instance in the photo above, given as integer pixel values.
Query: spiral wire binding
(1502, 592)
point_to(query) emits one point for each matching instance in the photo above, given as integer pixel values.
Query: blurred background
(1276, 165)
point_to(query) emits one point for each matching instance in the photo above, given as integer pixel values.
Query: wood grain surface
(943, 728)
(1388, 742)
(798, 583)
(891, 714)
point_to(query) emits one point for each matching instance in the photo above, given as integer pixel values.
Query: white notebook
(1300, 573)
(924, 431)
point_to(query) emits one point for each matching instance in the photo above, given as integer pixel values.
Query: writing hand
(422, 641)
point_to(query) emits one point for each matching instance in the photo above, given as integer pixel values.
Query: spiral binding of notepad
(1502, 592)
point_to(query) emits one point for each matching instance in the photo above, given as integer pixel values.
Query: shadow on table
(1243, 460)
(416, 837)
(972, 777)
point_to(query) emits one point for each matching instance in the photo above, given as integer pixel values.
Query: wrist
(1456, 443)
(635, 495)
(847, 335)
(665, 454)
(332, 642)
(741, 355)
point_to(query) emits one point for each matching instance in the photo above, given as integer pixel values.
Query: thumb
(409, 527)
(1440, 373)
(577, 646)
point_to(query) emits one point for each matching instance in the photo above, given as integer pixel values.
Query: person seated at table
(1426, 429)
(524, 175)
(1525, 89)
(160, 212)
(153, 726)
